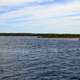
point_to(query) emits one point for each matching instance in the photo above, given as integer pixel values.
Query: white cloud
(44, 11)
(51, 16)
(10, 2)
(6, 2)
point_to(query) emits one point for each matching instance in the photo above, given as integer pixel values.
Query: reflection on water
(25, 58)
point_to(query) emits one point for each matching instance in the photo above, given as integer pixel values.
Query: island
(42, 35)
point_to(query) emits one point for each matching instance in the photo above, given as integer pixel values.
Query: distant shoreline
(42, 35)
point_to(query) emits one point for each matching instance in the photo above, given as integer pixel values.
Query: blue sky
(40, 16)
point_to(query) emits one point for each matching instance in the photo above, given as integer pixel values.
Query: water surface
(31, 58)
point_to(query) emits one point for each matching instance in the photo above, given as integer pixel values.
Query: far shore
(42, 35)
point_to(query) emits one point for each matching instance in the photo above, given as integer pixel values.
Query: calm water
(25, 58)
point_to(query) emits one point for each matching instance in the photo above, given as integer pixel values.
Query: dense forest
(42, 35)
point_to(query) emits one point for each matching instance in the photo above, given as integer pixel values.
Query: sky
(40, 16)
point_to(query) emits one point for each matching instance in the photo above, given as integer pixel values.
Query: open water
(31, 58)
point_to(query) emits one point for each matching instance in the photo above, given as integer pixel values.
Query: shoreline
(41, 35)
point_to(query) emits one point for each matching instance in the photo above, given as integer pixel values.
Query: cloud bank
(40, 16)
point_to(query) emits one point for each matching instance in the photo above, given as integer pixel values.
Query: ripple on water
(23, 58)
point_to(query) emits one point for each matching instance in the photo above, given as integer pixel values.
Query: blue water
(30, 58)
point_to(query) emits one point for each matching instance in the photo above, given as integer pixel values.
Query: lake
(32, 58)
